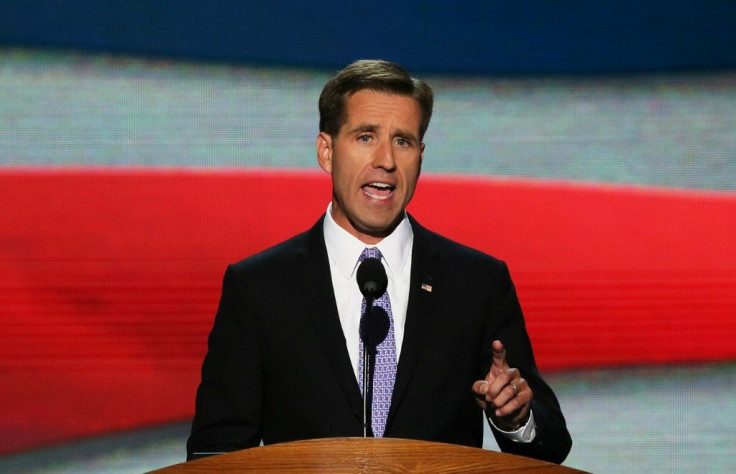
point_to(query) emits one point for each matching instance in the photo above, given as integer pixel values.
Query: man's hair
(372, 74)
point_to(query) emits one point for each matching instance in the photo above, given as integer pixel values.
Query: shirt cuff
(525, 434)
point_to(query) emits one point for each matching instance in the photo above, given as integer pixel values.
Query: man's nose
(385, 157)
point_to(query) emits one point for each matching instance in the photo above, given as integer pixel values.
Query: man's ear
(324, 151)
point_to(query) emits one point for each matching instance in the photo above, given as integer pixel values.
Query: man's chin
(377, 229)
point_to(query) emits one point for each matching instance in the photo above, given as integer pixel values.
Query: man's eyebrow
(407, 134)
(367, 127)
(364, 127)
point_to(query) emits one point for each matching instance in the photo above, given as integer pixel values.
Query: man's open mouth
(378, 190)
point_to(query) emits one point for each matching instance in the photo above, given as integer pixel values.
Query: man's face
(374, 161)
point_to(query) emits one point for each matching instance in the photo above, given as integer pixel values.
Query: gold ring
(516, 389)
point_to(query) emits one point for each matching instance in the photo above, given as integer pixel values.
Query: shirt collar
(345, 249)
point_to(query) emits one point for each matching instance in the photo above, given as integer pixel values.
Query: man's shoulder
(284, 253)
(462, 262)
(450, 249)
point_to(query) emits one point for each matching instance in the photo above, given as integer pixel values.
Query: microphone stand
(372, 281)
(367, 379)
(365, 390)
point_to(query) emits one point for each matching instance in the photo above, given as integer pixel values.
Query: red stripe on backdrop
(109, 279)
(606, 275)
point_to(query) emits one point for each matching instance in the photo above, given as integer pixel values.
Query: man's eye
(402, 142)
(364, 137)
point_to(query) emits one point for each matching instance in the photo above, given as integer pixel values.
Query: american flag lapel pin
(427, 287)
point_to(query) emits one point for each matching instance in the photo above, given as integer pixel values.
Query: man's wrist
(524, 433)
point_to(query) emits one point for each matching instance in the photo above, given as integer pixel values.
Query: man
(284, 360)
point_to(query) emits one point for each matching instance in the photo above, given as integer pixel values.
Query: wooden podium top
(361, 455)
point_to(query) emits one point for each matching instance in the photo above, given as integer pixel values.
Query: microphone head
(372, 279)
(374, 326)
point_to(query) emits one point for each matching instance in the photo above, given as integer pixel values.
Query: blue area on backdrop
(480, 37)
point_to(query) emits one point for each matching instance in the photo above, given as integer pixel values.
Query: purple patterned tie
(385, 372)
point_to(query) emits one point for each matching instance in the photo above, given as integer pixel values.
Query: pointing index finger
(499, 355)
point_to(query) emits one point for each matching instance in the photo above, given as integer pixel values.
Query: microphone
(374, 326)
(372, 279)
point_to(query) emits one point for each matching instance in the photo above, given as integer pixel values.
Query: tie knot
(370, 252)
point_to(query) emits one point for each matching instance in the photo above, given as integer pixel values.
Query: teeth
(380, 198)
(381, 185)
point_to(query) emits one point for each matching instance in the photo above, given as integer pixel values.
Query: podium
(364, 455)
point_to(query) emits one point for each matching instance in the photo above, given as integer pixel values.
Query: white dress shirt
(343, 250)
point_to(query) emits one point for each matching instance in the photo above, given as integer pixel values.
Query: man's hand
(504, 394)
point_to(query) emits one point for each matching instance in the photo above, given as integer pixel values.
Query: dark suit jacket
(278, 368)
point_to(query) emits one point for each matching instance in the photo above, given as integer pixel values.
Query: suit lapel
(316, 284)
(421, 294)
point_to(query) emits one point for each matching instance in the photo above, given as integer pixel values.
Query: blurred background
(144, 145)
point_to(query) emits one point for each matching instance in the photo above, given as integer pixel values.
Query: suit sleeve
(552, 442)
(229, 398)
